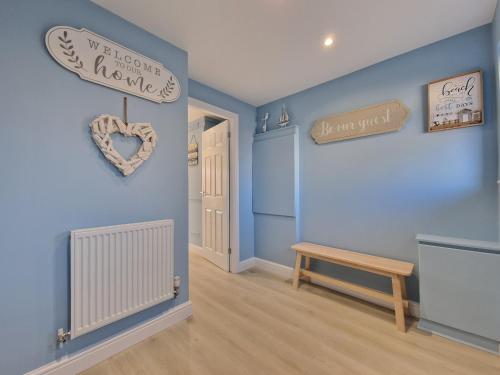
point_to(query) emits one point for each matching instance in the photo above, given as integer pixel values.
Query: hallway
(254, 323)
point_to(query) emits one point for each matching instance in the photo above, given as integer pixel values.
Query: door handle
(202, 193)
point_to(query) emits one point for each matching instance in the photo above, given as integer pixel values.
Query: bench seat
(395, 269)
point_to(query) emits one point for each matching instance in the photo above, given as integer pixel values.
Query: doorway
(213, 177)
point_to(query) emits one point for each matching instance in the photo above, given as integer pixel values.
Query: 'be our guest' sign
(380, 118)
(102, 61)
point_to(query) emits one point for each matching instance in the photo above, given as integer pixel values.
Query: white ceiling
(262, 50)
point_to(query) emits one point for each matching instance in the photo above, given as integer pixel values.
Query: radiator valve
(62, 336)
(177, 285)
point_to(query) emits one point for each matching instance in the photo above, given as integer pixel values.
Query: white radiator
(119, 270)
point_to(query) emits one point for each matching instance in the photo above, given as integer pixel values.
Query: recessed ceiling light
(328, 41)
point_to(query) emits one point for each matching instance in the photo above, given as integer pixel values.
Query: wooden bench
(394, 269)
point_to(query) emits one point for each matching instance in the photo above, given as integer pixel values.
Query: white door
(215, 195)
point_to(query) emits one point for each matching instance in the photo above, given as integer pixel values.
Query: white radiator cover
(118, 271)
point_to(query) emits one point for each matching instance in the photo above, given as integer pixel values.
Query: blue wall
(496, 57)
(246, 114)
(54, 179)
(276, 190)
(496, 43)
(374, 194)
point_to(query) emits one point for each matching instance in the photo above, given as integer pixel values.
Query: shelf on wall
(276, 132)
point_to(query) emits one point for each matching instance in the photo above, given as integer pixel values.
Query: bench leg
(397, 291)
(307, 266)
(296, 271)
(403, 293)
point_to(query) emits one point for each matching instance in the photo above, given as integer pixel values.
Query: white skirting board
(246, 264)
(286, 272)
(91, 356)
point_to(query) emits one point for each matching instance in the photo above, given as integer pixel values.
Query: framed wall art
(456, 102)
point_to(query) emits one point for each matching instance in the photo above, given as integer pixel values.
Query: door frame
(234, 167)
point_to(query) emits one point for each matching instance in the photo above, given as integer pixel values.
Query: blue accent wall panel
(459, 289)
(496, 58)
(373, 194)
(273, 237)
(54, 178)
(275, 172)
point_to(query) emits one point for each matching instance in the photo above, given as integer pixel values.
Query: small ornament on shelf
(264, 122)
(284, 118)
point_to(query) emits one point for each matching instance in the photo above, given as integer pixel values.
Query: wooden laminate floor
(254, 323)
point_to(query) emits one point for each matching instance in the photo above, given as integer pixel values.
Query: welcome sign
(376, 119)
(102, 61)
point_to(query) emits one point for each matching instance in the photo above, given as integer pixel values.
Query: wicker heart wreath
(105, 125)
